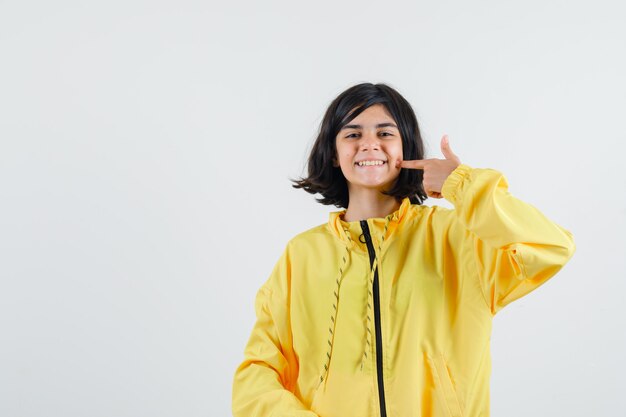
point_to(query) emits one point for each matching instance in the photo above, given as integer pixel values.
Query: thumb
(447, 150)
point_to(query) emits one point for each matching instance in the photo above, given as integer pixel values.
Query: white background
(145, 152)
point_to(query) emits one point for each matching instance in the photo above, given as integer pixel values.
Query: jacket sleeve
(264, 382)
(515, 247)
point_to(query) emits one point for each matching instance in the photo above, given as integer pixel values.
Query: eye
(351, 135)
(387, 133)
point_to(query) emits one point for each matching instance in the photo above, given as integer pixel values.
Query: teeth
(367, 163)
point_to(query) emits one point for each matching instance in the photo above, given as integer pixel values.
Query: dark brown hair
(328, 180)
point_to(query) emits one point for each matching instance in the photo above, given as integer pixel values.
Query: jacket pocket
(444, 386)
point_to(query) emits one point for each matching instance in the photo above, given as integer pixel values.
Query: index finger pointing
(415, 164)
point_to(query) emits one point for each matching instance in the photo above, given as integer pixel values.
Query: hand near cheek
(435, 170)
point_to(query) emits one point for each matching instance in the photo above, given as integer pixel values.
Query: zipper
(379, 336)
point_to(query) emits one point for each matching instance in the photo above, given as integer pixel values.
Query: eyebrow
(361, 126)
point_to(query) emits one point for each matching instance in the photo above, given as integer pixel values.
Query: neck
(370, 204)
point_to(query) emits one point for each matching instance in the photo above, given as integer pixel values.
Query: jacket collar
(338, 226)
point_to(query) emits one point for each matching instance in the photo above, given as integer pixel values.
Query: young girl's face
(371, 136)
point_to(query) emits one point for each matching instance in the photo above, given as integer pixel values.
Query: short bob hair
(328, 180)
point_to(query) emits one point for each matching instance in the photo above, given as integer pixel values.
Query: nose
(369, 141)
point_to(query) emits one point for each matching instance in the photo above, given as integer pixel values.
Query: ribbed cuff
(451, 189)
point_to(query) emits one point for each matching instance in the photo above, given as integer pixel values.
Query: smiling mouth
(370, 164)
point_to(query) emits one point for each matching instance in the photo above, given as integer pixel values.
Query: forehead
(375, 110)
(373, 116)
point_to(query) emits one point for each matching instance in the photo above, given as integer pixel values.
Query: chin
(380, 186)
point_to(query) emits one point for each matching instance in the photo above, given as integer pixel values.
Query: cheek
(398, 151)
(346, 158)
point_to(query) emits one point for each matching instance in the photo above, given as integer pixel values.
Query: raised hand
(435, 170)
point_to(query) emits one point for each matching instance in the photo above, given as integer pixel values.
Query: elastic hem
(450, 189)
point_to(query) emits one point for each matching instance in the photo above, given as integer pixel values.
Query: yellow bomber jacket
(392, 316)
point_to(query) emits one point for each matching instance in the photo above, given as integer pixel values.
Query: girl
(386, 309)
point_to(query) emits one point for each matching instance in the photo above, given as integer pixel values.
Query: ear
(335, 163)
